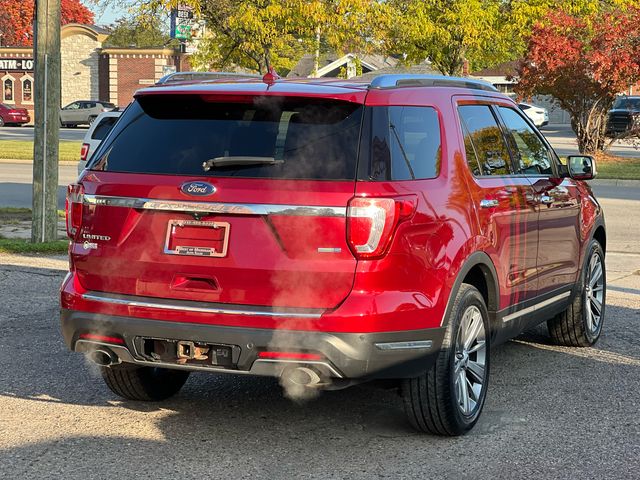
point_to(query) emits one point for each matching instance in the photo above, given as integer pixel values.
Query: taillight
(84, 151)
(371, 223)
(73, 208)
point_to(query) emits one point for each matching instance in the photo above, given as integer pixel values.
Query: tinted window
(402, 143)
(103, 128)
(485, 147)
(627, 103)
(531, 154)
(284, 137)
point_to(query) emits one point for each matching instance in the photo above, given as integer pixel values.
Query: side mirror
(581, 167)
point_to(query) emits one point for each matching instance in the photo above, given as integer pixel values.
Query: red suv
(328, 233)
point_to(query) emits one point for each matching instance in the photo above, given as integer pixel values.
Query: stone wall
(80, 79)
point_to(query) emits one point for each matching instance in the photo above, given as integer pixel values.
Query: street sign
(183, 32)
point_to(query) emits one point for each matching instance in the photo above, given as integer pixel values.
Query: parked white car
(97, 132)
(538, 115)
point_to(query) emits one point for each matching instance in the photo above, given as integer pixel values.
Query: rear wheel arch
(478, 270)
(600, 235)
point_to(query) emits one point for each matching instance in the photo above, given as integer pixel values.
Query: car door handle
(546, 199)
(489, 203)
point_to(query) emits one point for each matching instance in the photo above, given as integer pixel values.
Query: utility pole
(44, 223)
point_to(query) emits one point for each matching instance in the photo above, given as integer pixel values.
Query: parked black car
(624, 115)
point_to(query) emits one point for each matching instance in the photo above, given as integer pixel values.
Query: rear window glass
(103, 128)
(404, 144)
(262, 137)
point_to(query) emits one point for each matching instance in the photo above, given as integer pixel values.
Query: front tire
(150, 384)
(448, 398)
(580, 325)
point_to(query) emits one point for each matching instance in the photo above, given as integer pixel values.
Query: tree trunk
(589, 127)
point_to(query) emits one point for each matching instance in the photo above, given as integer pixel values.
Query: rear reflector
(290, 356)
(372, 221)
(73, 208)
(101, 338)
(84, 151)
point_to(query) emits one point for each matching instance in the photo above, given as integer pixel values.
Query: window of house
(8, 89)
(27, 90)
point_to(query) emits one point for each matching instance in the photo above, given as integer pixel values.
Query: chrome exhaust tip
(303, 376)
(103, 357)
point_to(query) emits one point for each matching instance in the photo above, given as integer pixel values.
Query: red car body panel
(16, 116)
(273, 259)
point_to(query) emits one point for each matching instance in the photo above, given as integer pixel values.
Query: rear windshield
(260, 137)
(103, 128)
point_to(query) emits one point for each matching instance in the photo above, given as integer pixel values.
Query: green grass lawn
(8, 245)
(618, 168)
(23, 150)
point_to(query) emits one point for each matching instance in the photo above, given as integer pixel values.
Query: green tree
(448, 32)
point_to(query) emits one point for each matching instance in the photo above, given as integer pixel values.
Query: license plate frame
(192, 250)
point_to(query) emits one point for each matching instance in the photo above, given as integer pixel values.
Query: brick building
(89, 71)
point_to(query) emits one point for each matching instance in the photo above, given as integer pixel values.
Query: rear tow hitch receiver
(188, 352)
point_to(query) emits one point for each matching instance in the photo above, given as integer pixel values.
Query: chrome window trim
(537, 306)
(213, 207)
(191, 306)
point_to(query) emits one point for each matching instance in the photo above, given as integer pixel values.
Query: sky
(105, 15)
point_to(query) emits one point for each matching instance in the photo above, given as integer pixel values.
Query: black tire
(432, 401)
(574, 327)
(92, 119)
(1, 122)
(148, 384)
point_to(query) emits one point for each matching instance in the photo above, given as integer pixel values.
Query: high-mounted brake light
(84, 150)
(371, 223)
(73, 208)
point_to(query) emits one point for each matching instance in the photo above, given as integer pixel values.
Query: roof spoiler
(416, 80)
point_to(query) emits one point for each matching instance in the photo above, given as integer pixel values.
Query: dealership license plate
(197, 238)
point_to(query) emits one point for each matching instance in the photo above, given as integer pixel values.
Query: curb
(22, 161)
(612, 182)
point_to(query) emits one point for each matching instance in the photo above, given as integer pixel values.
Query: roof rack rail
(417, 80)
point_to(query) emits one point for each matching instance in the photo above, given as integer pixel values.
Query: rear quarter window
(400, 143)
(299, 138)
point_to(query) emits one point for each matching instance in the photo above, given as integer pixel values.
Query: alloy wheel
(594, 293)
(469, 372)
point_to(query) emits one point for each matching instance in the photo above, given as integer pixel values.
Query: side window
(531, 155)
(483, 141)
(72, 106)
(404, 145)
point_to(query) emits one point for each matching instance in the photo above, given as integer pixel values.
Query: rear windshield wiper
(238, 160)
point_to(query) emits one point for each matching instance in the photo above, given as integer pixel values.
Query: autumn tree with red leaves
(583, 62)
(16, 19)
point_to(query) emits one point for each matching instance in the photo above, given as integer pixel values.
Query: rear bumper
(343, 355)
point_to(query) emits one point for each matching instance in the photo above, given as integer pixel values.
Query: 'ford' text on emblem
(198, 188)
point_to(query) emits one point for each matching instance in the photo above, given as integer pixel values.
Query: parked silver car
(83, 112)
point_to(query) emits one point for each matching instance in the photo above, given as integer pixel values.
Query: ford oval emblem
(199, 189)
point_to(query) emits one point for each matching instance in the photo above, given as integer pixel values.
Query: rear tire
(580, 325)
(448, 398)
(148, 384)
(92, 119)
(1, 122)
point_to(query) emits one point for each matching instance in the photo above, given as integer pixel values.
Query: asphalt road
(26, 133)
